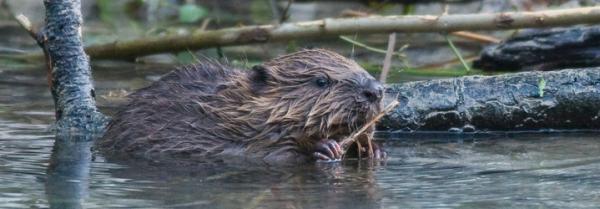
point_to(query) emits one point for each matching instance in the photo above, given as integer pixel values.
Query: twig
(445, 8)
(367, 47)
(285, 14)
(26, 24)
(11, 50)
(40, 39)
(387, 61)
(457, 53)
(275, 11)
(476, 37)
(436, 65)
(204, 24)
(345, 143)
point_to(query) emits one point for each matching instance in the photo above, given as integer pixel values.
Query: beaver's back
(165, 119)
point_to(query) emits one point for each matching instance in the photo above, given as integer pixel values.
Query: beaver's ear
(259, 77)
(260, 74)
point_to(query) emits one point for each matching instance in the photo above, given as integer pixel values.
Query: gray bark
(570, 99)
(69, 69)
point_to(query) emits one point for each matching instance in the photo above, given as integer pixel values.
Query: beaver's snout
(372, 91)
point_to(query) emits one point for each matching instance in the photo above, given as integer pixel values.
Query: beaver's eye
(322, 82)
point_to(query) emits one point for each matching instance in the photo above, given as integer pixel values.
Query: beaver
(294, 108)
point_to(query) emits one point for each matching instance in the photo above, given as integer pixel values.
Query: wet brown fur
(274, 113)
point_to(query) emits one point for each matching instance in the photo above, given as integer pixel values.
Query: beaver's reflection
(350, 184)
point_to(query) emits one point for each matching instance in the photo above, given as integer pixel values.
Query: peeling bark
(566, 99)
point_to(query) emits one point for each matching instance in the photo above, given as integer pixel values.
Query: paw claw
(328, 150)
(320, 156)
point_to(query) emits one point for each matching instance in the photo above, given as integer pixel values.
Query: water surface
(437, 171)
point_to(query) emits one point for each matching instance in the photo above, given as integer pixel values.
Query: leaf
(191, 13)
(541, 86)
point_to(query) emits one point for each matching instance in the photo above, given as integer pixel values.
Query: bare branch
(340, 26)
(387, 61)
(26, 24)
(476, 37)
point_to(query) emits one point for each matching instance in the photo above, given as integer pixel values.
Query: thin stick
(454, 61)
(205, 23)
(476, 37)
(457, 53)
(359, 148)
(387, 61)
(40, 39)
(367, 47)
(26, 24)
(275, 12)
(370, 144)
(285, 14)
(345, 144)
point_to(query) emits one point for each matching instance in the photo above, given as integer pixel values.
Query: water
(500, 171)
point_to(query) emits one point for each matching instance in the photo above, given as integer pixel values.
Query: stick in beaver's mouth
(345, 143)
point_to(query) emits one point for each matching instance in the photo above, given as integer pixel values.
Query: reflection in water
(69, 171)
(348, 185)
(39, 170)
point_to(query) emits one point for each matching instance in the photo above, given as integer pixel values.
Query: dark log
(68, 68)
(566, 99)
(544, 50)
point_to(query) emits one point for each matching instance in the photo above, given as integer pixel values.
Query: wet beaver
(291, 109)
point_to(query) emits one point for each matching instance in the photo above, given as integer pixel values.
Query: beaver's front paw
(328, 150)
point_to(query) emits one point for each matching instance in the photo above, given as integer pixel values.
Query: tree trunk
(566, 99)
(69, 74)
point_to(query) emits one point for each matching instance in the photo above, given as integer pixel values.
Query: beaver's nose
(373, 91)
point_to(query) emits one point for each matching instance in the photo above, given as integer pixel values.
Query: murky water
(498, 171)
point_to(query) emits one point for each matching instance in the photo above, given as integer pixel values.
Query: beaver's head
(316, 94)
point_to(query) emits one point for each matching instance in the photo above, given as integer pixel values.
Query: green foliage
(245, 64)
(292, 46)
(457, 53)
(186, 57)
(408, 9)
(191, 13)
(260, 11)
(106, 10)
(541, 86)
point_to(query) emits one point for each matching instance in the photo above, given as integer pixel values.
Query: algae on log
(566, 99)
(544, 50)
